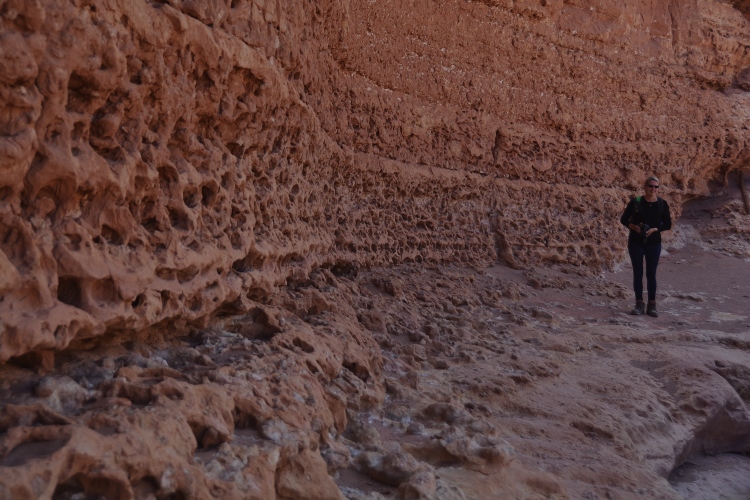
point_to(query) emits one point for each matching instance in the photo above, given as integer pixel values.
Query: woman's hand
(651, 231)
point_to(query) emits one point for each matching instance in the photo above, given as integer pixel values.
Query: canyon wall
(162, 163)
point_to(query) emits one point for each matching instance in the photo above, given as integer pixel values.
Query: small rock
(204, 360)
(478, 449)
(420, 486)
(416, 429)
(417, 337)
(108, 364)
(446, 412)
(61, 393)
(363, 433)
(336, 458)
(275, 430)
(393, 468)
(417, 351)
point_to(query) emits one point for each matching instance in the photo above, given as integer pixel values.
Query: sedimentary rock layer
(164, 162)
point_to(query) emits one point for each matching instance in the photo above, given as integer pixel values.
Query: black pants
(651, 253)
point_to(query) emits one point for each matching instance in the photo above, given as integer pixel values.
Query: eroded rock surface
(166, 161)
(244, 247)
(409, 382)
(247, 409)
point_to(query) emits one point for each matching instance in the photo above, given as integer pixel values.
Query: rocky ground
(215, 219)
(586, 400)
(414, 382)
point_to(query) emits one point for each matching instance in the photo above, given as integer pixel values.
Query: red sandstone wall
(161, 162)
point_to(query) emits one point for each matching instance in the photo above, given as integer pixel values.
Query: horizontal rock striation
(162, 163)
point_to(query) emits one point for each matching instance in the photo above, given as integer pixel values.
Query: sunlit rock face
(165, 162)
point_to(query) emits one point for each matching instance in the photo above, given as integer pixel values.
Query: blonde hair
(651, 178)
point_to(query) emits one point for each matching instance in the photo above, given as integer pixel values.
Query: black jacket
(654, 214)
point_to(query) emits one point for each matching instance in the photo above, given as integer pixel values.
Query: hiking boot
(638, 310)
(651, 309)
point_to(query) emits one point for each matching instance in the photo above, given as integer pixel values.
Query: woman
(646, 217)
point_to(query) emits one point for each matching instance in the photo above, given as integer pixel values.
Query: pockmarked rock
(229, 229)
(171, 167)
